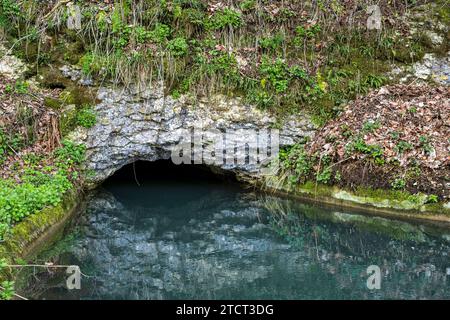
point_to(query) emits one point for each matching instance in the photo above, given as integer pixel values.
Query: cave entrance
(168, 186)
(163, 171)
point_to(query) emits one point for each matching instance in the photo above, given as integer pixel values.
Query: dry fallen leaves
(411, 125)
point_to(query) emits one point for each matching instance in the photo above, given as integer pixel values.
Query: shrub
(193, 16)
(276, 73)
(178, 47)
(142, 35)
(305, 33)
(8, 10)
(272, 42)
(225, 18)
(298, 163)
(160, 33)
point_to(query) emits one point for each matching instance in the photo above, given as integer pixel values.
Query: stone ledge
(433, 214)
(38, 231)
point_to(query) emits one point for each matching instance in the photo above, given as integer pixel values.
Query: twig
(135, 176)
(59, 4)
(12, 149)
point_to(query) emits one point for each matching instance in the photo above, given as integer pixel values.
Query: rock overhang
(146, 125)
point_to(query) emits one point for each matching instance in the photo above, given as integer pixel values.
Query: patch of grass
(286, 63)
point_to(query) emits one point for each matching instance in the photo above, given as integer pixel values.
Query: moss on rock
(68, 119)
(384, 202)
(38, 231)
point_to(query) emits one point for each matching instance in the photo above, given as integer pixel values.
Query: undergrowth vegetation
(285, 56)
(39, 187)
(367, 146)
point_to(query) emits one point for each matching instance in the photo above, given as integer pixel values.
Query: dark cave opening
(171, 186)
(164, 170)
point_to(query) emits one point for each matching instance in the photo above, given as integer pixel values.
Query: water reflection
(204, 241)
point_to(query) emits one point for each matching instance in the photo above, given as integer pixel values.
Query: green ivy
(17, 201)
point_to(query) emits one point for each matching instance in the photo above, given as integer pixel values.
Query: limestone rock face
(10, 66)
(431, 68)
(148, 126)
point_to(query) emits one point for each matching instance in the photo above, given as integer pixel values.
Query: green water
(195, 238)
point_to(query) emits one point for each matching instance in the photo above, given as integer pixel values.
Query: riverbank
(38, 232)
(173, 237)
(369, 202)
